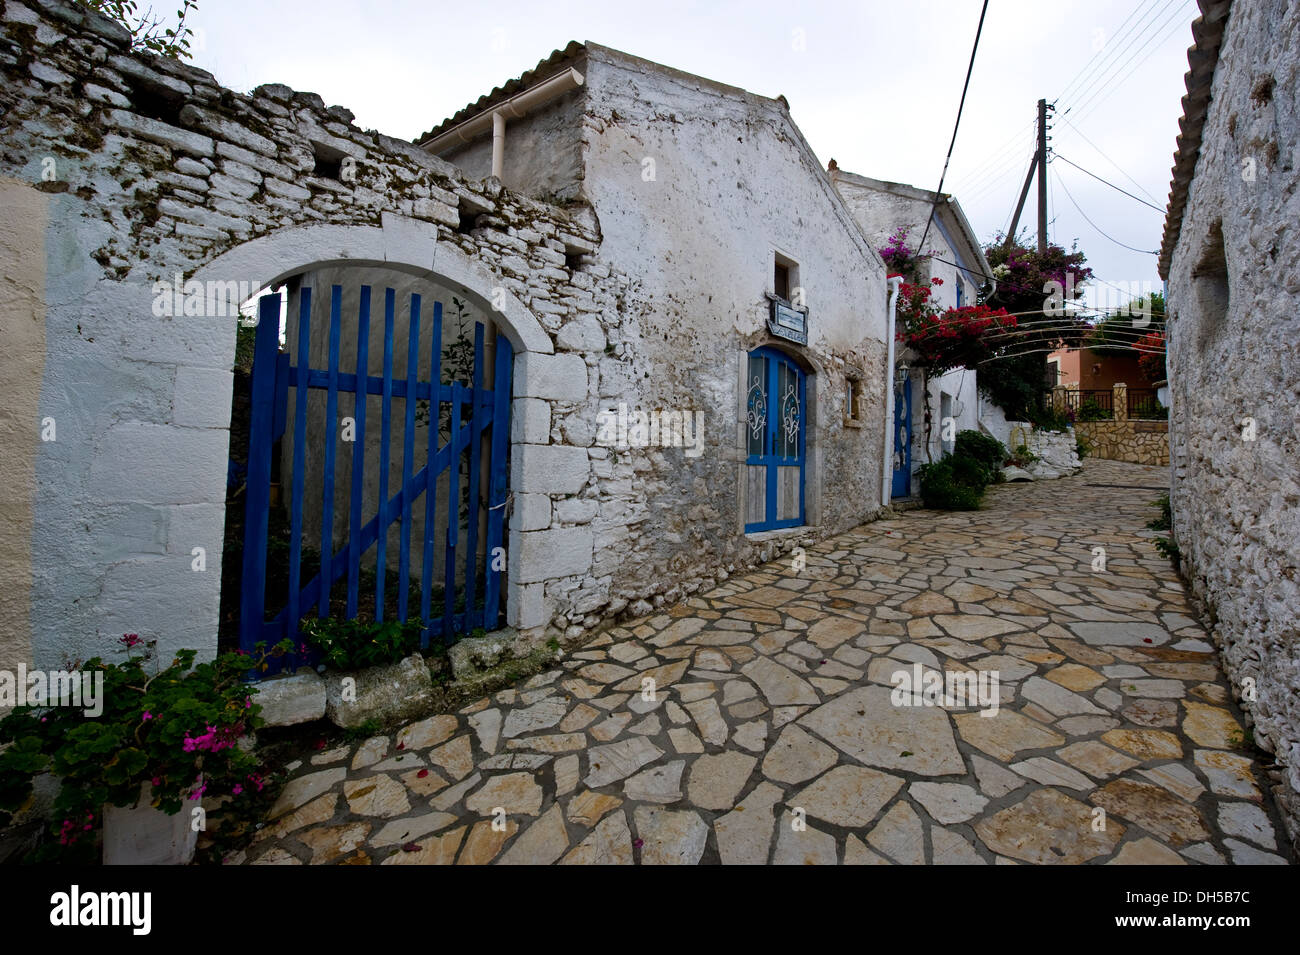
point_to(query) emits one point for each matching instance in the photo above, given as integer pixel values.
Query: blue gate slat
(498, 477)
(386, 436)
(331, 435)
(370, 530)
(471, 528)
(299, 461)
(281, 394)
(408, 457)
(316, 378)
(257, 499)
(358, 453)
(274, 375)
(431, 492)
(453, 514)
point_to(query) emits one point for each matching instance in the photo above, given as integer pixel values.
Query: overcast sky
(873, 84)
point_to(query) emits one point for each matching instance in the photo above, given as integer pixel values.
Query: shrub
(1166, 518)
(1022, 457)
(177, 728)
(943, 489)
(354, 644)
(1082, 447)
(1049, 419)
(1091, 410)
(982, 447)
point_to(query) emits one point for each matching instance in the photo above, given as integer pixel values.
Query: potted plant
(164, 738)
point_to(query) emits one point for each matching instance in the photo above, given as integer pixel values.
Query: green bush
(1166, 518)
(1022, 457)
(1091, 410)
(970, 472)
(984, 448)
(952, 484)
(177, 728)
(354, 644)
(1082, 447)
(1049, 419)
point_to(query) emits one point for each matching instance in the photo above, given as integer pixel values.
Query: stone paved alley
(773, 705)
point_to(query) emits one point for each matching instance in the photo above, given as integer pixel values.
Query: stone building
(953, 255)
(1231, 261)
(645, 234)
(713, 207)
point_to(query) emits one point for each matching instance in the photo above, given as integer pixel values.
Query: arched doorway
(362, 531)
(776, 441)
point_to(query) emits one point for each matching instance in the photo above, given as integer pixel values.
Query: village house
(1231, 258)
(953, 255)
(752, 302)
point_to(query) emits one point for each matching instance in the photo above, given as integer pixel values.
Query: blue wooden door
(466, 426)
(776, 441)
(903, 440)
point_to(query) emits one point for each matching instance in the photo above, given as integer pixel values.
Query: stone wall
(1234, 374)
(730, 182)
(132, 173)
(1141, 442)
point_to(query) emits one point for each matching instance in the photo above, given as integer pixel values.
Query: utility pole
(1042, 176)
(1037, 167)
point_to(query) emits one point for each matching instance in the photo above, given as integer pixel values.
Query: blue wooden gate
(776, 441)
(477, 419)
(903, 440)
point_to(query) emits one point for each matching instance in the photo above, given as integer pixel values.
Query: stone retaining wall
(1137, 441)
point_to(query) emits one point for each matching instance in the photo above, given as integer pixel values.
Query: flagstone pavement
(756, 724)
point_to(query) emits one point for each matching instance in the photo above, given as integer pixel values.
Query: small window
(781, 283)
(852, 398)
(785, 281)
(961, 293)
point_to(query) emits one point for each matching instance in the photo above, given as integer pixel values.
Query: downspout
(498, 143)
(891, 320)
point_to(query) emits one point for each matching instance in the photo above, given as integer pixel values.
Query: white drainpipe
(887, 468)
(498, 143)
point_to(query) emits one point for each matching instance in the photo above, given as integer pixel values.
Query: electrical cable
(970, 68)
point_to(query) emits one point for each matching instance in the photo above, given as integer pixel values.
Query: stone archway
(408, 245)
(398, 246)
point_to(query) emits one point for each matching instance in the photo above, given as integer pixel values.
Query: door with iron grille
(776, 441)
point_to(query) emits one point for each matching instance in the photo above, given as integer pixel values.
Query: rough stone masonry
(119, 171)
(1232, 260)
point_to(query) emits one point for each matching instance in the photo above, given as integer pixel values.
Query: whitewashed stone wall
(733, 183)
(1234, 373)
(146, 169)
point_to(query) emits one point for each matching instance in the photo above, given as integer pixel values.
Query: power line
(1103, 154)
(997, 158)
(970, 67)
(1094, 64)
(1100, 97)
(1114, 58)
(994, 155)
(1098, 228)
(1111, 184)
